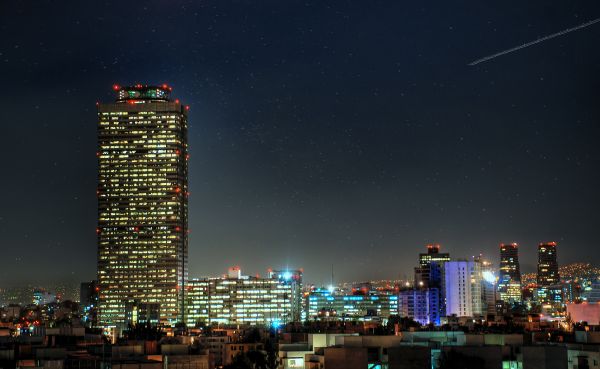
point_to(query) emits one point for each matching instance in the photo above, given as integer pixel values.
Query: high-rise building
(429, 275)
(238, 299)
(429, 271)
(547, 271)
(509, 284)
(488, 283)
(142, 204)
(463, 288)
(433, 255)
(293, 278)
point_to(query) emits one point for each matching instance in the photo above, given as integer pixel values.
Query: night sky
(349, 133)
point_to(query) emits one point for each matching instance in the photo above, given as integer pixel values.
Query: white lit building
(463, 288)
(238, 299)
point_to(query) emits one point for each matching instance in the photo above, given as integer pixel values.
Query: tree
(404, 323)
(240, 361)
(252, 336)
(251, 360)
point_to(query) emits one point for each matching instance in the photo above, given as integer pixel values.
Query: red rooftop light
(116, 87)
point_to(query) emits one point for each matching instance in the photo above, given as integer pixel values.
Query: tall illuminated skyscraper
(142, 204)
(547, 273)
(509, 284)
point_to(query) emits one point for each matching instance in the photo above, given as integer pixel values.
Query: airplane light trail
(489, 57)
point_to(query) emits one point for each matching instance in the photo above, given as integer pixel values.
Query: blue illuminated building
(324, 304)
(421, 304)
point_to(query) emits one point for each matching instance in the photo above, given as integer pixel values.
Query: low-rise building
(325, 304)
(238, 299)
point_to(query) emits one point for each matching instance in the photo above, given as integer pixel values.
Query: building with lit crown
(430, 264)
(547, 271)
(429, 280)
(142, 204)
(509, 283)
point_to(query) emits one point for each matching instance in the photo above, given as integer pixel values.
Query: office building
(323, 304)
(509, 283)
(488, 285)
(463, 289)
(547, 271)
(429, 273)
(421, 304)
(142, 204)
(293, 278)
(137, 313)
(238, 299)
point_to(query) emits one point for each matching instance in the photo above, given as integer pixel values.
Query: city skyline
(325, 139)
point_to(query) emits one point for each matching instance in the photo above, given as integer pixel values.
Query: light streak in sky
(545, 38)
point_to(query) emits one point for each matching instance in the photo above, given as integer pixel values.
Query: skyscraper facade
(509, 284)
(142, 203)
(547, 271)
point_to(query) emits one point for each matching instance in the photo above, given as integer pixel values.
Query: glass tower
(142, 204)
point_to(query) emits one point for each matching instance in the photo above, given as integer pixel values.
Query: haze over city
(320, 133)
